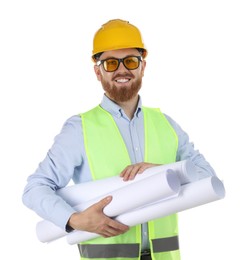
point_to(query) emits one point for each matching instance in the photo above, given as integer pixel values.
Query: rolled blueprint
(80, 196)
(159, 186)
(191, 195)
(82, 192)
(185, 170)
(48, 232)
(162, 185)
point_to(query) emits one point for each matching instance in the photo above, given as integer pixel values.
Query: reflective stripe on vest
(165, 244)
(126, 250)
(108, 156)
(109, 251)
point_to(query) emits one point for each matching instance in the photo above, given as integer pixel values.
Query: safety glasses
(112, 64)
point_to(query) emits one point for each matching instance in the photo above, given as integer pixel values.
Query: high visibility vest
(108, 156)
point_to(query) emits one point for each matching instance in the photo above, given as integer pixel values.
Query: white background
(196, 73)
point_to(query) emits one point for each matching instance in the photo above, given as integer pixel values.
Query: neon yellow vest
(108, 156)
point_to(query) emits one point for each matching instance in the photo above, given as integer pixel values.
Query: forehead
(119, 53)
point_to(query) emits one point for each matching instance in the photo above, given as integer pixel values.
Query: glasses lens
(131, 63)
(110, 64)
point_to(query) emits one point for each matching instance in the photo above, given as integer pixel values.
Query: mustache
(123, 75)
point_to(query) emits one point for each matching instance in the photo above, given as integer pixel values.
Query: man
(118, 137)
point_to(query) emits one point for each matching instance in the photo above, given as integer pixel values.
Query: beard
(121, 94)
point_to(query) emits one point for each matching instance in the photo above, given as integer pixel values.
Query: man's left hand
(130, 171)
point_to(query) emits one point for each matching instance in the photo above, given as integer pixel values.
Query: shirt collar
(115, 109)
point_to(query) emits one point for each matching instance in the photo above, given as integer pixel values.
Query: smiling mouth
(123, 80)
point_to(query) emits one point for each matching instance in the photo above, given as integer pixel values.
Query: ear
(97, 72)
(143, 67)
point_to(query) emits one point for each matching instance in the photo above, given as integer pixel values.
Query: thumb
(104, 202)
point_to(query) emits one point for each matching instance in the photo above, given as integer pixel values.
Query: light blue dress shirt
(66, 160)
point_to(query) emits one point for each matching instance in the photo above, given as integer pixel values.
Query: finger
(143, 167)
(117, 225)
(133, 171)
(126, 172)
(110, 231)
(114, 232)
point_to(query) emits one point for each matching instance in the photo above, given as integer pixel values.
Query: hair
(97, 56)
(141, 51)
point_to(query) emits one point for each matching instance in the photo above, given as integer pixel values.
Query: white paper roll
(185, 170)
(80, 196)
(191, 195)
(80, 193)
(136, 194)
(47, 232)
(156, 187)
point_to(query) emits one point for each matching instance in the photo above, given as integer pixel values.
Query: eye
(130, 61)
(111, 62)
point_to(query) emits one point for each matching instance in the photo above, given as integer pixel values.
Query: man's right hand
(94, 220)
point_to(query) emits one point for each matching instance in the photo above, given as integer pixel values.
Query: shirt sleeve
(55, 172)
(186, 151)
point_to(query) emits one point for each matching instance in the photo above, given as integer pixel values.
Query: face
(121, 85)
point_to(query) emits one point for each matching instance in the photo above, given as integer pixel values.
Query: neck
(129, 106)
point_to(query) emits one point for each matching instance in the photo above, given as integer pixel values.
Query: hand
(94, 220)
(130, 171)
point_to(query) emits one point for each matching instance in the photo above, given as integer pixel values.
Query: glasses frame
(101, 62)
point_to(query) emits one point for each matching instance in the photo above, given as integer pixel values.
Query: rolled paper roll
(156, 187)
(163, 185)
(81, 196)
(191, 195)
(47, 232)
(185, 170)
(82, 192)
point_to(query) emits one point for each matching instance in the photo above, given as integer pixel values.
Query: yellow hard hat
(117, 34)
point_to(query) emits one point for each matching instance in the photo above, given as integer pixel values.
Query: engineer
(119, 136)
